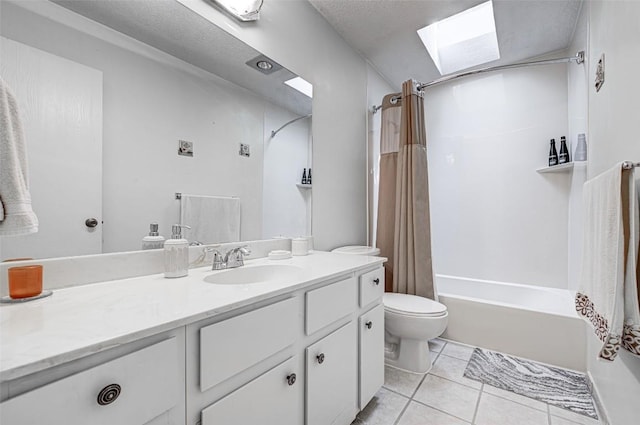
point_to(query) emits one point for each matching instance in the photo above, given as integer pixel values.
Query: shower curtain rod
(273, 133)
(578, 58)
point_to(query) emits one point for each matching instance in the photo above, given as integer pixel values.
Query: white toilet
(410, 322)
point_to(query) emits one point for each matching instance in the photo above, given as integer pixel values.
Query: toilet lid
(357, 250)
(412, 305)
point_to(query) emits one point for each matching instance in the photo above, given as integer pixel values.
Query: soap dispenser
(176, 253)
(153, 240)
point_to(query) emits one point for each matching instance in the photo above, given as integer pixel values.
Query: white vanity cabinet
(143, 387)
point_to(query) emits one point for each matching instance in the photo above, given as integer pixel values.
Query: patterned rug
(560, 387)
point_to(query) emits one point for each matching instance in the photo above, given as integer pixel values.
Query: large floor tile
(436, 345)
(450, 397)
(453, 369)
(401, 381)
(571, 416)
(418, 414)
(515, 397)
(459, 351)
(383, 409)
(494, 410)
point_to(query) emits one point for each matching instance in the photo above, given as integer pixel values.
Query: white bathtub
(527, 321)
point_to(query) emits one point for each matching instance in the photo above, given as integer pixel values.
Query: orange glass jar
(25, 281)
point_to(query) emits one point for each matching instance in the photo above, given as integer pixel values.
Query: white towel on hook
(607, 296)
(16, 214)
(213, 219)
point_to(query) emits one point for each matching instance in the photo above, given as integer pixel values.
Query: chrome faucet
(233, 258)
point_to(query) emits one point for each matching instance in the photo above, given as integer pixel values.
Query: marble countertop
(82, 320)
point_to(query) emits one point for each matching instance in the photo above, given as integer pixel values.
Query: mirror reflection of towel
(213, 219)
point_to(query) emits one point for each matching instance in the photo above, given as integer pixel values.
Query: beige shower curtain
(404, 230)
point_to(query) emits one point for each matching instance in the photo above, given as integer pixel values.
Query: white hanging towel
(608, 294)
(213, 219)
(16, 215)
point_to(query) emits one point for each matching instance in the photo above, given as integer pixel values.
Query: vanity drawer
(330, 303)
(233, 345)
(371, 286)
(149, 384)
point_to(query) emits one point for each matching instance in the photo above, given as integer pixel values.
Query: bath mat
(560, 387)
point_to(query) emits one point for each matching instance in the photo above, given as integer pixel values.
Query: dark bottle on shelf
(563, 158)
(304, 176)
(309, 177)
(553, 154)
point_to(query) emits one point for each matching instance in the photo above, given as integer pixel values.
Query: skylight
(463, 40)
(303, 86)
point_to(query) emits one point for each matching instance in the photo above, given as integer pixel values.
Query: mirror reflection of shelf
(303, 185)
(562, 168)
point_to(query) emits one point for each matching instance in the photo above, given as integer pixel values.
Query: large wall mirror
(127, 103)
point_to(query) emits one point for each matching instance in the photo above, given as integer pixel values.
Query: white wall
(614, 29)
(493, 217)
(152, 100)
(286, 208)
(578, 85)
(294, 34)
(377, 88)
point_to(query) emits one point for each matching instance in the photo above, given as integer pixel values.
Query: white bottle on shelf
(176, 253)
(153, 240)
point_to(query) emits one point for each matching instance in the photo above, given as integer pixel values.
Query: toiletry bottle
(304, 176)
(563, 158)
(176, 253)
(309, 177)
(553, 154)
(153, 240)
(581, 149)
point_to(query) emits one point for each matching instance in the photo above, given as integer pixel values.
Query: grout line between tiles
(441, 411)
(475, 411)
(396, 392)
(406, 405)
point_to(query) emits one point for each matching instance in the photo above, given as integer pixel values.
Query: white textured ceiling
(171, 27)
(384, 31)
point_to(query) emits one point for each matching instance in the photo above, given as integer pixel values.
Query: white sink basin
(263, 273)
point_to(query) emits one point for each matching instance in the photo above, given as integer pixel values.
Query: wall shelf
(303, 186)
(562, 168)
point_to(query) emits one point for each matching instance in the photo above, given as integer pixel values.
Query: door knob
(109, 394)
(369, 324)
(320, 358)
(91, 222)
(376, 281)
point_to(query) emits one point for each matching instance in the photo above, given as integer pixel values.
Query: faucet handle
(218, 260)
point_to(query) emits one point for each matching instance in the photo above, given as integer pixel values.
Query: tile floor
(444, 397)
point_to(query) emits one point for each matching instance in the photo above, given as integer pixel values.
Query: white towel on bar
(213, 219)
(16, 215)
(607, 295)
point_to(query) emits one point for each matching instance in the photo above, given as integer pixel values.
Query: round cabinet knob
(109, 394)
(291, 379)
(91, 222)
(369, 324)
(376, 281)
(320, 358)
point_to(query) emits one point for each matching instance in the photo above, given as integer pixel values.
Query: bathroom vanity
(302, 345)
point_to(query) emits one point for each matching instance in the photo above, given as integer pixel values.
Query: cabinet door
(272, 398)
(332, 378)
(371, 354)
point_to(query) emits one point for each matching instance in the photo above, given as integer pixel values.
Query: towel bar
(627, 165)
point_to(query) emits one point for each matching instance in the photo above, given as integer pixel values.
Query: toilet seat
(412, 305)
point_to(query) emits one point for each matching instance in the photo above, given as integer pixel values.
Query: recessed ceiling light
(245, 10)
(264, 65)
(303, 86)
(463, 40)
